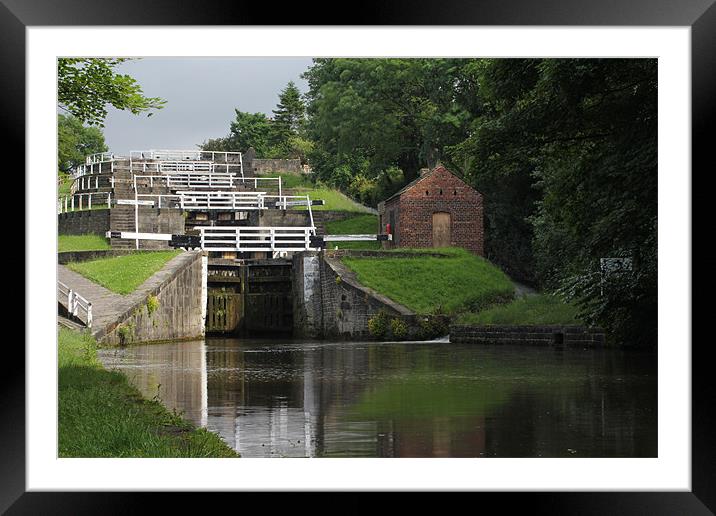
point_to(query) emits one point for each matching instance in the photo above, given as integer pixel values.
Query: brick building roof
(423, 176)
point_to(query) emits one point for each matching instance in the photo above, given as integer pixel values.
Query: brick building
(438, 209)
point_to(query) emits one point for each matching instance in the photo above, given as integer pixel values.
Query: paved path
(107, 306)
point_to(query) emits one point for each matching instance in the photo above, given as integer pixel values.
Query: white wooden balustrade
(256, 238)
(76, 305)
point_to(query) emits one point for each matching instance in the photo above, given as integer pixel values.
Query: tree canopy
(75, 141)
(86, 86)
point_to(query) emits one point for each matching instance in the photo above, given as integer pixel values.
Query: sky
(201, 95)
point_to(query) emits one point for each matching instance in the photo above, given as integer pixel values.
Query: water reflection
(308, 399)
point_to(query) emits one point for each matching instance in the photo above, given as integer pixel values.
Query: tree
(289, 114)
(75, 141)
(396, 112)
(565, 151)
(86, 86)
(251, 130)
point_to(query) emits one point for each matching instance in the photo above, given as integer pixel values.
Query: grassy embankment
(123, 274)
(453, 284)
(81, 243)
(529, 310)
(355, 225)
(102, 415)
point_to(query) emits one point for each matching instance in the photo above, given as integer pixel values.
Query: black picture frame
(700, 15)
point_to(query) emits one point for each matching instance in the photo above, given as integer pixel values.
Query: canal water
(284, 398)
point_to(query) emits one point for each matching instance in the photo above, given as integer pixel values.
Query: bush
(398, 328)
(378, 325)
(432, 327)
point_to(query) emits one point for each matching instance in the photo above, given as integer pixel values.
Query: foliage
(334, 200)
(152, 304)
(394, 112)
(398, 329)
(288, 120)
(75, 141)
(565, 152)
(251, 130)
(102, 415)
(378, 324)
(67, 243)
(528, 310)
(123, 274)
(432, 327)
(426, 284)
(86, 86)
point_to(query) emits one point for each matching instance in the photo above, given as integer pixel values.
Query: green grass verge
(529, 310)
(123, 274)
(358, 225)
(102, 415)
(334, 200)
(291, 180)
(81, 243)
(457, 283)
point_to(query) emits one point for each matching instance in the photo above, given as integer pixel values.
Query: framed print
(661, 462)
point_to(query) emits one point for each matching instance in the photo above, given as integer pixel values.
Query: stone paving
(109, 307)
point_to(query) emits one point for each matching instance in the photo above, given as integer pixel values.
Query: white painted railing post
(89, 201)
(89, 315)
(238, 238)
(72, 203)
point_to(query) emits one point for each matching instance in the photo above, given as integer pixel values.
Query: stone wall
(173, 310)
(554, 335)
(258, 167)
(85, 222)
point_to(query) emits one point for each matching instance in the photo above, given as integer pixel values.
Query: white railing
(165, 154)
(256, 238)
(83, 201)
(235, 201)
(94, 168)
(187, 180)
(100, 157)
(76, 305)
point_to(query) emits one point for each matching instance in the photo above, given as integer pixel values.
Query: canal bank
(102, 415)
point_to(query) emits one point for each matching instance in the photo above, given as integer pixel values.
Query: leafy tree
(395, 112)
(86, 86)
(75, 141)
(251, 130)
(225, 144)
(565, 151)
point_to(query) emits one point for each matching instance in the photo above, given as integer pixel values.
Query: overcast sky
(201, 95)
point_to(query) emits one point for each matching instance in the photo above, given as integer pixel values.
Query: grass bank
(123, 274)
(81, 243)
(541, 309)
(102, 415)
(334, 200)
(358, 225)
(426, 284)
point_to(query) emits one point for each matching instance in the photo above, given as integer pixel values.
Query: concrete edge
(147, 288)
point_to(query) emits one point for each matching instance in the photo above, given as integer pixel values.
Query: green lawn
(426, 284)
(123, 274)
(102, 415)
(334, 200)
(358, 225)
(529, 310)
(81, 243)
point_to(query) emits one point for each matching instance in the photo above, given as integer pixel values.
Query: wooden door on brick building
(441, 229)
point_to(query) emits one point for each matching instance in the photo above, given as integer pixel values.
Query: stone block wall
(258, 167)
(552, 335)
(173, 310)
(85, 222)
